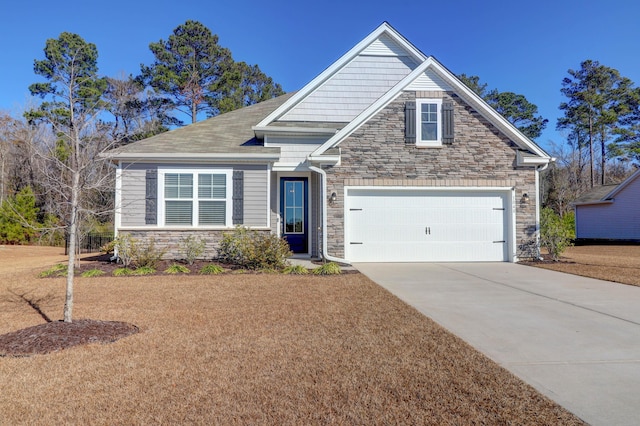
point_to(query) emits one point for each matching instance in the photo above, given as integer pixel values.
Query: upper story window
(195, 197)
(429, 127)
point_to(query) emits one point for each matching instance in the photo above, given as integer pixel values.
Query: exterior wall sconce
(333, 198)
(525, 198)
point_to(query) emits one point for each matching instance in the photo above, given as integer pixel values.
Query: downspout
(538, 201)
(325, 253)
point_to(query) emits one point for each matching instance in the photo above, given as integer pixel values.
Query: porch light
(333, 198)
(525, 198)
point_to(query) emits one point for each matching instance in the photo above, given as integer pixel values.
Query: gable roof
(384, 34)
(461, 89)
(222, 136)
(605, 193)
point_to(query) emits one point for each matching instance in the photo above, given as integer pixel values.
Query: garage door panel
(426, 226)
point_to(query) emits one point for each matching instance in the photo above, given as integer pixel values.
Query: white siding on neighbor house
(295, 149)
(429, 80)
(619, 220)
(352, 89)
(132, 205)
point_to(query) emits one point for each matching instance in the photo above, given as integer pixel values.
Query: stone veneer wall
(169, 240)
(377, 155)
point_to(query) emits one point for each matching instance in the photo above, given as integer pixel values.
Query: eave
(194, 157)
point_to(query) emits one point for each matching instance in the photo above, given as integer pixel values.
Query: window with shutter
(429, 122)
(195, 197)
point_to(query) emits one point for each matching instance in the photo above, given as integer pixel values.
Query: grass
(211, 269)
(92, 273)
(612, 263)
(330, 268)
(254, 349)
(295, 270)
(177, 269)
(59, 270)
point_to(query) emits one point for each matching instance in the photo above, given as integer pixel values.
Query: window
(429, 128)
(185, 204)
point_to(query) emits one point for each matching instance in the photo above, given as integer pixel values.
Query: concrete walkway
(575, 339)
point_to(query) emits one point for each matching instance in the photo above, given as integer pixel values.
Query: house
(610, 212)
(385, 156)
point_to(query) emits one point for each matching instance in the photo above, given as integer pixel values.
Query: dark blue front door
(294, 212)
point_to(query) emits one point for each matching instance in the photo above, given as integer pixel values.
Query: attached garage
(427, 225)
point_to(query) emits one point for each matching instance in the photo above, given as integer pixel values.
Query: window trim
(419, 103)
(195, 197)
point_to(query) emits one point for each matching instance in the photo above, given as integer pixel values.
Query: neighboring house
(610, 212)
(385, 156)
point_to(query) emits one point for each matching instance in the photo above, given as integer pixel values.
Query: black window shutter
(410, 122)
(238, 197)
(151, 197)
(447, 123)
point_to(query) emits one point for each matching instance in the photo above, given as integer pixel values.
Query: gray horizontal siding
(133, 194)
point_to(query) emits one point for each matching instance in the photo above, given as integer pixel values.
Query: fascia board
(593, 203)
(487, 111)
(193, 157)
(274, 130)
(623, 185)
(338, 65)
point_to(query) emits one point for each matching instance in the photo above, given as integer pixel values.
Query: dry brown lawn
(612, 263)
(249, 349)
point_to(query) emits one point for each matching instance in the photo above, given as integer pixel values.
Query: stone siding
(376, 155)
(170, 240)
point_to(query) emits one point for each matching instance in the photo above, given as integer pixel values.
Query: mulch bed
(57, 335)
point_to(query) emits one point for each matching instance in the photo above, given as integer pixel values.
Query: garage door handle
(355, 243)
(427, 230)
(503, 241)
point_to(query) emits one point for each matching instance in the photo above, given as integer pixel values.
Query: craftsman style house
(385, 156)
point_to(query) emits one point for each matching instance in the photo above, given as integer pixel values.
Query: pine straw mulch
(616, 263)
(58, 335)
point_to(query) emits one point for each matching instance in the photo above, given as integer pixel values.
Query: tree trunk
(593, 182)
(73, 236)
(603, 159)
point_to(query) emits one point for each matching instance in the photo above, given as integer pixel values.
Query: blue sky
(524, 47)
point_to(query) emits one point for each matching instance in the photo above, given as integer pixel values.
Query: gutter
(325, 253)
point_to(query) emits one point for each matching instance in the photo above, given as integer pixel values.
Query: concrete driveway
(575, 339)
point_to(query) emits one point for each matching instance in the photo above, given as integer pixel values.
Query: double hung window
(429, 127)
(196, 197)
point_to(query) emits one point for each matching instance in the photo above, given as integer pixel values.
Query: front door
(294, 212)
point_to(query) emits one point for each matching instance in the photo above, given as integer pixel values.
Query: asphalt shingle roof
(595, 194)
(226, 133)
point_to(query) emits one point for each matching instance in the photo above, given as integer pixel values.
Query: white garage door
(426, 226)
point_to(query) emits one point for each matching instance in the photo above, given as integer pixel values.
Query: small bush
(192, 247)
(330, 268)
(132, 252)
(296, 270)
(144, 270)
(177, 269)
(109, 247)
(92, 273)
(556, 233)
(211, 269)
(59, 270)
(122, 272)
(253, 250)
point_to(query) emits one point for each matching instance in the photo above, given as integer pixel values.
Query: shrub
(211, 269)
(253, 250)
(330, 268)
(296, 270)
(144, 270)
(92, 273)
(131, 252)
(122, 272)
(59, 270)
(177, 269)
(556, 233)
(192, 247)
